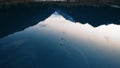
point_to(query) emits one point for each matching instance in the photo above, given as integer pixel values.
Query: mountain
(59, 43)
(17, 17)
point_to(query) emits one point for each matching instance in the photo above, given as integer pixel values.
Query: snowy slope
(60, 43)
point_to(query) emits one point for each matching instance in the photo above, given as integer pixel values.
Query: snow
(62, 43)
(85, 31)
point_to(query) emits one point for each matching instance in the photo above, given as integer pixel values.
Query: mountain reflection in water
(59, 43)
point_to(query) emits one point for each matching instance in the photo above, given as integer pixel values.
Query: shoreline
(57, 3)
